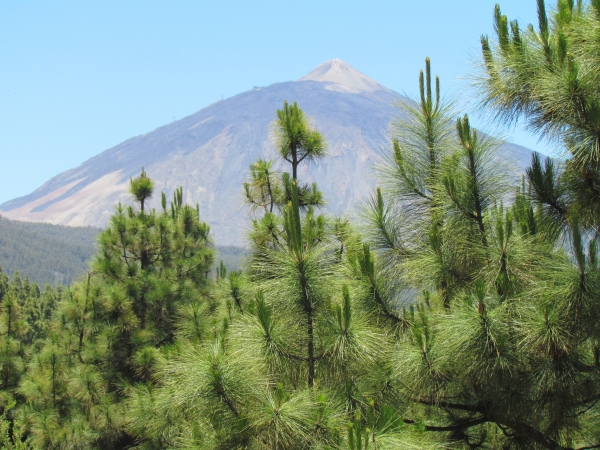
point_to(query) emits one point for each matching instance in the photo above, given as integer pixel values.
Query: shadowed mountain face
(209, 152)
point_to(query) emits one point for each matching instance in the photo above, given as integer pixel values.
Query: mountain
(209, 152)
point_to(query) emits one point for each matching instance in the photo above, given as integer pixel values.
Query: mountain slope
(46, 253)
(209, 152)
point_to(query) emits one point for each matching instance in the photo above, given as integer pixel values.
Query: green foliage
(294, 137)
(25, 313)
(46, 254)
(499, 348)
(274, 192)
(56, 254)
(299, 351)
(141, 188)
(466, 317)
(549, 77)
(148, 286)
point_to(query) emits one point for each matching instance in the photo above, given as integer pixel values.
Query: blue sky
(78, 77)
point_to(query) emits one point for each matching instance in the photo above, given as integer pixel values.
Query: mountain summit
(342, 77)
(209, 153)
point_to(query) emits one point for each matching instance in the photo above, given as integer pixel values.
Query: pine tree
(271, 190)
(147, 281)
(294, 137)
(25, 314)
(499, 349)
(298, 355)
(548, 76)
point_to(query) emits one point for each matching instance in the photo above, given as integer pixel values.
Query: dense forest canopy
(450, 317)
(45, 253)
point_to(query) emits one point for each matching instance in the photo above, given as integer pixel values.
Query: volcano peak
(342, 77)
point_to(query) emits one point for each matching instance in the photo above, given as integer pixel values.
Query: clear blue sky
(78, 77)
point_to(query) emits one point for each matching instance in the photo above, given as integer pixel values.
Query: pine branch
(302, 158)
(519, 427)
(533, 434)
(383, 305)
(448, 405)
(452, 428)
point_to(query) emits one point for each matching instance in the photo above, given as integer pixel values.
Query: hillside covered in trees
(58, 254)
(449, 317)
(45, 253)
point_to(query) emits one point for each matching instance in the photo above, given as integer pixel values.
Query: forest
(58, 254)
(461, 311)
(44, 253)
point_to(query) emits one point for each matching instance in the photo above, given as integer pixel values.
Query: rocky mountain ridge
(209, 152)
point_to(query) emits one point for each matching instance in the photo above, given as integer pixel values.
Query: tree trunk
(311, 350)
(294, 163)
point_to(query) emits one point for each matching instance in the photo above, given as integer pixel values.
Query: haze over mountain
(209, 152)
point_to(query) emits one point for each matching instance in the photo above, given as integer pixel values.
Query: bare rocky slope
(209, 152)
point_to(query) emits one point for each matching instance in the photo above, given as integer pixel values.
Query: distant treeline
(58, 254)
(232, 256)
(46, 254)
